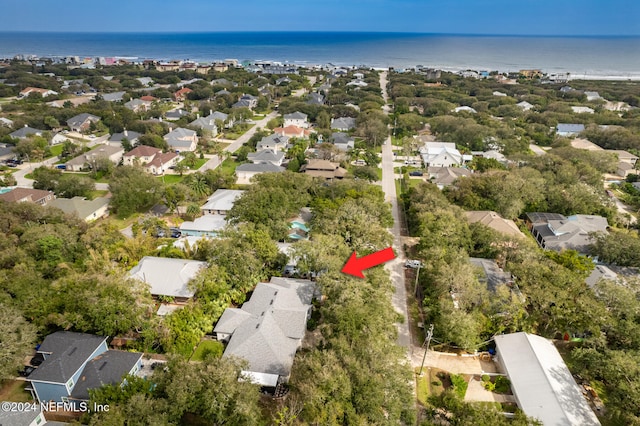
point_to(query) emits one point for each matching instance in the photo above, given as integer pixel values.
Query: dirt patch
(13, 390)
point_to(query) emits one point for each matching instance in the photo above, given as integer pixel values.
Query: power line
(426, 343)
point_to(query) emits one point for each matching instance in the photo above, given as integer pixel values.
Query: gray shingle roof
(130, 136)
(105, 369)
(266, 156)
(24, 132)
(343, 123)
(167, 277)
(296, 116)
(79, 206)
(222, 199)
(269, 337)
(68, 352)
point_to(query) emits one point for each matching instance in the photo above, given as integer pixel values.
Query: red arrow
(355, 266)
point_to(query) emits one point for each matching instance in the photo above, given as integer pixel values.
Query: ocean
(584, 57)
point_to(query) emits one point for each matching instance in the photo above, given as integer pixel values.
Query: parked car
(415, 173)
(26, 370)
(61, 166)
(412, 263)
(175, 232)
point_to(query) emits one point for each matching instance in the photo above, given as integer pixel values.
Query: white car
(412, 264)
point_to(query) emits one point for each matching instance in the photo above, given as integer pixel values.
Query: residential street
(396, 266)
(214, 160)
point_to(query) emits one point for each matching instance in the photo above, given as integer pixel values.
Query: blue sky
(512, 17)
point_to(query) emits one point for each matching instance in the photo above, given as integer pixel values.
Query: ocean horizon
(582, 56)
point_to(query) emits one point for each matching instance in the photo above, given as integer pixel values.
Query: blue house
(76, 362)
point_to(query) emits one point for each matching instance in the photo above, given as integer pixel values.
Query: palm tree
(199, 184)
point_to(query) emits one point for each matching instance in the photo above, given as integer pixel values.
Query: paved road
(215, 161)
(537, 150)
(395, 267)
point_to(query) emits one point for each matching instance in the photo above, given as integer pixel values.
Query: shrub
(502, 384)
(459, 385)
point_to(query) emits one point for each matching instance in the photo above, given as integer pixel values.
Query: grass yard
(428, 384)
(228, 166)
(207, 347)
(171, 179)
(13, 390)
(199, 163)
(56, 150)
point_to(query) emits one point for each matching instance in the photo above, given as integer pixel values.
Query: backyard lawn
(207, 347)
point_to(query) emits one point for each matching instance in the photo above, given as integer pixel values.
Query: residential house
(58, 138)
(25, 132)
(87, 210)
(176, 114)
(208, 225)
(86, 160)
(315, 99)
(28, 195)
(205, 123)
(246, 101)
(274, 142)
(6, 122)
(445, 176)
(74, 363)
(499, 94)
(582, 110)
(221, 117)
(82, 122)
(490, 274)
(626, 162)
(592, 96)
(357, 83)
(23, 417)
(580, 143)
(182, 139)
(221, 201)
(138, 105)
(465, 109)
(292, 132)
(268, 329)
(244, 172)
(441, 154)
(343, 124)
(494, 221)
(162, 162)
(181, 95)
(600, 272)
(142, 154)
(168, 277)
(145, 81)
(6, 152)
(524, 105)
(491, 154)
(542, 385)
(130, 135)
(567, 130)
(323, 169)
(282, 81)
(266, 156)
(113, 97)
(298, 119)
(42, 92)
(342, 141)
(556, 232)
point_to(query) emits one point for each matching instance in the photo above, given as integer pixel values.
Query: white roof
(222, 199)
(167, 277)
(541, 382)
(207, 223)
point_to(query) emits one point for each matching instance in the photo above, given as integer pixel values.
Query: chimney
(197, 115)
(26, 125)
(126, 133)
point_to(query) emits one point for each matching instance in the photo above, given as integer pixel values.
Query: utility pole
(415, 287)
(426, 343)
